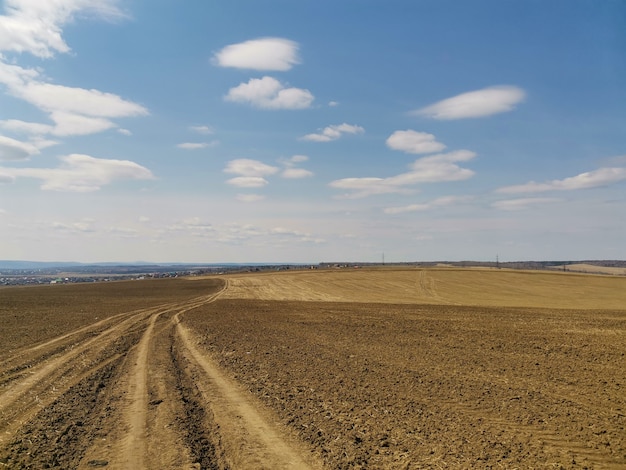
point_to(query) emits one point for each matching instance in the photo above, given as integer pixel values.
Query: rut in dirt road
(250, 441)
(131, 392)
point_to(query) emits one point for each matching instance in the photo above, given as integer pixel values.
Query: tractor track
(131, 392)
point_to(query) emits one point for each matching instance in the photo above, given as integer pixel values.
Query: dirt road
(132, 391)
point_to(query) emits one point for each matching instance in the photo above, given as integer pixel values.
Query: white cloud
(23, 127)
(248, 181)
(206, 130)
(363, 187)
(248, 167)
(251, 171)
(250, 197)
(76, 124)
(592, 179)
(50, 97)
(290, 172)
(431, 169)
(15, 150)
(332, 104)
(298, 159)
(410, 141)
(439, 202)
(74, 111)
(296, 173)
(409, 208)
(474, 104)
(144, 219)
(36, 26)
(82, 173)
(125, 132)
(259, 54)
(523, 203)
(269, 93)
(334, 132)
(66, 124)
(193, 145)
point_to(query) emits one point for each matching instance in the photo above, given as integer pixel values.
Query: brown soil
(380, 369)
(128, 390)
(404, 386)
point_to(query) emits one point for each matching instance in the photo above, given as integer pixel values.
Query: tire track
(249, 440)
(131, 432)
(49, 376)
(193, 418)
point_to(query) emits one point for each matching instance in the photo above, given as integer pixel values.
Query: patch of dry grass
(479, 287)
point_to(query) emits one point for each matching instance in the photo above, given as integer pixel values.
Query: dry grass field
(381, 368)
(590, 268)
(438, 286)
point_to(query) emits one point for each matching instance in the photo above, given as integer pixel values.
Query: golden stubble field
(379, 368)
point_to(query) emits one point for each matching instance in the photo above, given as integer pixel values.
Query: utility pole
(383, 258)
(497, 262)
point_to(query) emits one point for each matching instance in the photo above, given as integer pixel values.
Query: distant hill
(11, 264)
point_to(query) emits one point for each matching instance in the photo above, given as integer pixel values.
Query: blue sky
(308, 131)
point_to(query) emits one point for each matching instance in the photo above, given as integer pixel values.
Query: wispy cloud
(233, 233)
(206, 130)
(410, 141)
(248, 181)
(82, 226)
(252, 173)
(295, 159)
(36, 26)
(82, 173)
(27, 85)
(15, 150)
(196, 145)
(296, 173)
(436, 203)
(250, 197)
(334, 132)
(431, 169)
(290, 171)
(270, 53)
(523, 203)
(269, 93)
(475, 104)
(6, 178)
(592, 179)
(248, 167)
(74, 111)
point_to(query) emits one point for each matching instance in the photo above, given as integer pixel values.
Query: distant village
(11, 276)
(82, 274)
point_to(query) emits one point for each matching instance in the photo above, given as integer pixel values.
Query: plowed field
(374, 369)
